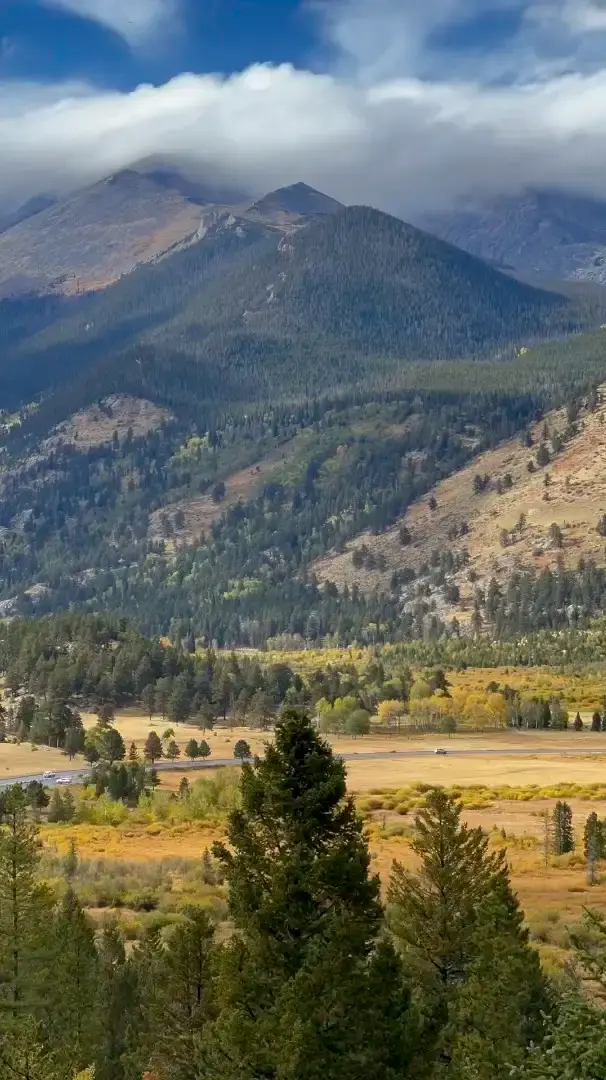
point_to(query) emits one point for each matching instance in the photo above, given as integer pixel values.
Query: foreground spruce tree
(174, 989)
(462, 941)
(72, 1017)
(307, 989)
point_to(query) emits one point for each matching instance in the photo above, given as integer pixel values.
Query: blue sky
(405, 104)
(52, 41)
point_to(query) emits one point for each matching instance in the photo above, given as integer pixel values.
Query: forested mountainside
(132, 509)
(347, 298)
(187, 443)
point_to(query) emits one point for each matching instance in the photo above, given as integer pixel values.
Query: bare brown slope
(507, 531)
(91, 239)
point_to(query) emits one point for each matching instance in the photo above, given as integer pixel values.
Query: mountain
(92, 238)
(27, 210)
(346, 298)
(188, 442)
(547, 234)
(290, 206)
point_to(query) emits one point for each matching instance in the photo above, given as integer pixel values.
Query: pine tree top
(297, 852)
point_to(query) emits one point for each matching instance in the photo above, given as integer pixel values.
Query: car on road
(64, 780)
(49, 775)
(439, 750)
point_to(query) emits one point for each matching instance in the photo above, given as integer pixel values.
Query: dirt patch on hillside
(97, 425)
(189, 519)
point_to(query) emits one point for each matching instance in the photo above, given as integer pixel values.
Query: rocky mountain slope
(548, 234)
(532, 503)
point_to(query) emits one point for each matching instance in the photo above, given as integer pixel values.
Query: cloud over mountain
(415, 108)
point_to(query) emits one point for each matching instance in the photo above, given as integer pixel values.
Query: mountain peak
(296, 201)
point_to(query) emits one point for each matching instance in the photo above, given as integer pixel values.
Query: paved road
(187, 766)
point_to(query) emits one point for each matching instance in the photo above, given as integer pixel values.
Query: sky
(408, 105)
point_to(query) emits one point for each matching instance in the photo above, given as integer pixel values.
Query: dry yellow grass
(448, 771)
(574, 500)
(23, 760)
(551, 895)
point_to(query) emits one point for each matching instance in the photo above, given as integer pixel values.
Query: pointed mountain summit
(289, 205)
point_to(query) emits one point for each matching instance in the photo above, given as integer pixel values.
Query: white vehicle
(64, 780)
(440, 751)
(50, 775)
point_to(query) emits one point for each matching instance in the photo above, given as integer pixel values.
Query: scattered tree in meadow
(562, 830)
(241, 750)
(204, 750)
(153, 747)
(173, 751)
(192, 750)
(106, 715)
(358, 723)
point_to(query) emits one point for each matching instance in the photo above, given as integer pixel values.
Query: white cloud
(134, 20)
(378, 39)
(400, 144)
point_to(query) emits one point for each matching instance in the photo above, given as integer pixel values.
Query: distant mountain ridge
(96, 235)
(545, 233)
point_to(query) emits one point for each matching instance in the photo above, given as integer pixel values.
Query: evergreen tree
(72, 1010)
(25, 911)
(307, 988)
(204, 750)
(179, 703)
(56, 811)
(192, 750)
(593, 838)
(578, 722)
(574, 1047)
(173, 751)
(153, 747)
(183, 996)
(148, 699)
(596, 721)
(117, 1003)
(562, 832)
(24, 1054)
(241, 750)
(460, 931)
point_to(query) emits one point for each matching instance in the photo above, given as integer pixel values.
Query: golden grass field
(17, 760)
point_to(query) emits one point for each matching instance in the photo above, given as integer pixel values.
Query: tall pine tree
(462, 942)
(307, 988)
(73, 1021)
